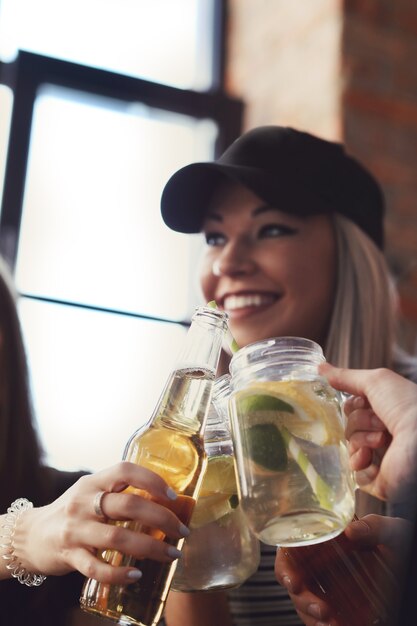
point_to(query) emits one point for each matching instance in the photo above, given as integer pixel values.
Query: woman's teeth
(232, 303)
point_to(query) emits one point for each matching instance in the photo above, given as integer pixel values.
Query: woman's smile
(242, 304)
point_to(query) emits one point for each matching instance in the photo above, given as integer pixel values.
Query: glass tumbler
(295, 484)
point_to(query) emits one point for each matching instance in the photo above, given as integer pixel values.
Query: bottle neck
(185, 401)
(203, 342)
(217, 428)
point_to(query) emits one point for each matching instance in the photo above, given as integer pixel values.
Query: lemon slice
(211, 508)
(220, 476)
(170, 454)
(298, 406)
(218, 495)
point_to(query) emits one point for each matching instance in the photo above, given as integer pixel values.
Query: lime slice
(220, 477)
(266, 447)
(210, 508)
(263, 402)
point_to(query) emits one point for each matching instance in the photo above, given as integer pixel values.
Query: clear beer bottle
(171, 444)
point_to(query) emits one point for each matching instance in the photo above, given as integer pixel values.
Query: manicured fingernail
(314, 610)
(134, 574)
(184, 530)
(174, 553)
(286, 581)
(171, 493)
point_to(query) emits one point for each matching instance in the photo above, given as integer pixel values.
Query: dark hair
(20, 451)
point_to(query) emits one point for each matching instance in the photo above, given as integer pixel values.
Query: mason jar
(295, 484)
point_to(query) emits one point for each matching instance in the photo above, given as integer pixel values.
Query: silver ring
(98, 499)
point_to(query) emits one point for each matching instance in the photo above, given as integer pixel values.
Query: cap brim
(188, 192)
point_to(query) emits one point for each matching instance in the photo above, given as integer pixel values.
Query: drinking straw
(229, 339)
(321, 489)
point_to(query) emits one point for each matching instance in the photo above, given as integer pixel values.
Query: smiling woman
(294, 234)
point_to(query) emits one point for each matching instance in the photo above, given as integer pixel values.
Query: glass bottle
(171, 444)
(296, 486)
(221, 551)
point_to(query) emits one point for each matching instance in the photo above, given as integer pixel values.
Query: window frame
(29, 71)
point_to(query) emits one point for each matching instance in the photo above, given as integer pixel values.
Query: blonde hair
(362, 331)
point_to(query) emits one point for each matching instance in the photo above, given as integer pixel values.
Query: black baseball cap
(289, 169)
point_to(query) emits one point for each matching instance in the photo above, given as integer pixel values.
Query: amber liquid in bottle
(177, 454)
(171, 444)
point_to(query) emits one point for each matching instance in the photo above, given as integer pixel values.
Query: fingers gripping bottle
(170, 444)
(221, 552)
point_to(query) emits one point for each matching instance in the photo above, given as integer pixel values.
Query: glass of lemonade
(295, 485)
(221, 551)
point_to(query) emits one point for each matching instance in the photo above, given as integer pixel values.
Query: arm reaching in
(65, 535)
(382, 417)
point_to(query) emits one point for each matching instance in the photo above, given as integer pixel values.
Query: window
(106, 289)
(165, 41)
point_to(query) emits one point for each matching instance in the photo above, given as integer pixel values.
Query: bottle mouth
(210, 315)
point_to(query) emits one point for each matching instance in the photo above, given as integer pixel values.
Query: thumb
(351, 381)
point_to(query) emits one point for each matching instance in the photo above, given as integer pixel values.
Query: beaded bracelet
(7, 532)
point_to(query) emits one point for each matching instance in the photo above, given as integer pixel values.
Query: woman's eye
(215, 239)
(276, 230)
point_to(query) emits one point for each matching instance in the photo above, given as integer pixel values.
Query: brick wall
(285, 62)
(379, 104)
(344, 70)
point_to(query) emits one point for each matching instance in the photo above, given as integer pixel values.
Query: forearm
(204, 609)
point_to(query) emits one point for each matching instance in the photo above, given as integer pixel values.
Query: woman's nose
(234, 260)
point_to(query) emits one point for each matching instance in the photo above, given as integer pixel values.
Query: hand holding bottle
(381, 416)
(65, 535)
(171, 444)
